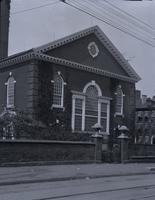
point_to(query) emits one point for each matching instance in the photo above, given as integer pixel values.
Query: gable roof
(39, 54)
(104, 40)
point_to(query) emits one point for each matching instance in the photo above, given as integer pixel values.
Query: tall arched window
(119, 101)
(58, 91)
(90, 107)
(10, 91)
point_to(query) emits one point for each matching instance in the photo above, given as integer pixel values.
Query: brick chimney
(4, 27)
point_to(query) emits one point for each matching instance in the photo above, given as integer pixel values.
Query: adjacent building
(145, 119)
(81, 80)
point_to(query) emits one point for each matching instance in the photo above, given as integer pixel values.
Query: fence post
(97, 138)
(123, 147)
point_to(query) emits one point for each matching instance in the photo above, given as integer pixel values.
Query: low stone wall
(41, 150)
(141, 150)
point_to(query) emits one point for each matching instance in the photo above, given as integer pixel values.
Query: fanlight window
(10, 91)
(119, 101)
(90, 108)
(58, 91)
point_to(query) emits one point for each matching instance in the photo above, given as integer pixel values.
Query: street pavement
(137, 187)
(49, 173)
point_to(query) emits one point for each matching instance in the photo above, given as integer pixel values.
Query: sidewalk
(32, 174)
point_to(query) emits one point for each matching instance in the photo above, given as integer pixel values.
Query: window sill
(119, 115)
(57, 107)
(91, 132)
(10, 106)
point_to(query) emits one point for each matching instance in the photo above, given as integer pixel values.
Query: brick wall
(34, 151)
(141, 150)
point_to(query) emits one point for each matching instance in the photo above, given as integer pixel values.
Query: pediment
(91, 48)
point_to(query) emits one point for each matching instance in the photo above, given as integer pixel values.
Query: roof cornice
(65, 40)
(43, 57)
(79, 66)
(16, 60)
(105, 41)
(38, 53)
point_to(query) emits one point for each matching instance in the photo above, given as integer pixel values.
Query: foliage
(25, 127)
(20, 122)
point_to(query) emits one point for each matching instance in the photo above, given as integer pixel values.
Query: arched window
(58, 91)
(90, 107)
(119, 101)
(10, 91)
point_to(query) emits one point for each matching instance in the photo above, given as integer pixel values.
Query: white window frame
(96, 49)
(152, 137)
(106, 101)
(8, 105)
(122, 105)
(101, 99)
(74, 97)
(62, 92)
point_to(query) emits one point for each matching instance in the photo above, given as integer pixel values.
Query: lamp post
(123, 137)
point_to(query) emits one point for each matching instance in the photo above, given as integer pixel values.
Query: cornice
(16, 60)
(105, 41)
(38, 53)
(43, 57)
(79, 66)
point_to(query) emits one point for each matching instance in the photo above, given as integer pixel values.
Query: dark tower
(4, 27)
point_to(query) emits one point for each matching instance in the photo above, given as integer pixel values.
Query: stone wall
(48, 151)
(141, 150)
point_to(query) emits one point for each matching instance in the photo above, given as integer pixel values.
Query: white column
(99, 112)
(73, 114)
(108, 116)
(83, 113)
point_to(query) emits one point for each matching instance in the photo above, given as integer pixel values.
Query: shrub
(18, 125)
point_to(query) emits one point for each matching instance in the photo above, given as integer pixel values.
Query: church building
(81, 80)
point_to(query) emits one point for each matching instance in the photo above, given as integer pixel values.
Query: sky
(48, 20)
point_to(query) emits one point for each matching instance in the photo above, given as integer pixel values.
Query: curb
(45, 163)
(72, 178)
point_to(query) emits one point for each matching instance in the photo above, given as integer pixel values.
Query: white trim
(62, 98)
(8, 105)
(78, 96)
(62, 91)
(153, 136)
(104, 40)
(73, 114)
(104, 98)
(122, 105)
(96, 48)
(108, 118)
(82, 96)
(108, 113)
(99, 113)
(93, 83)
(57, 106)
(83, 113)
(74, 97)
